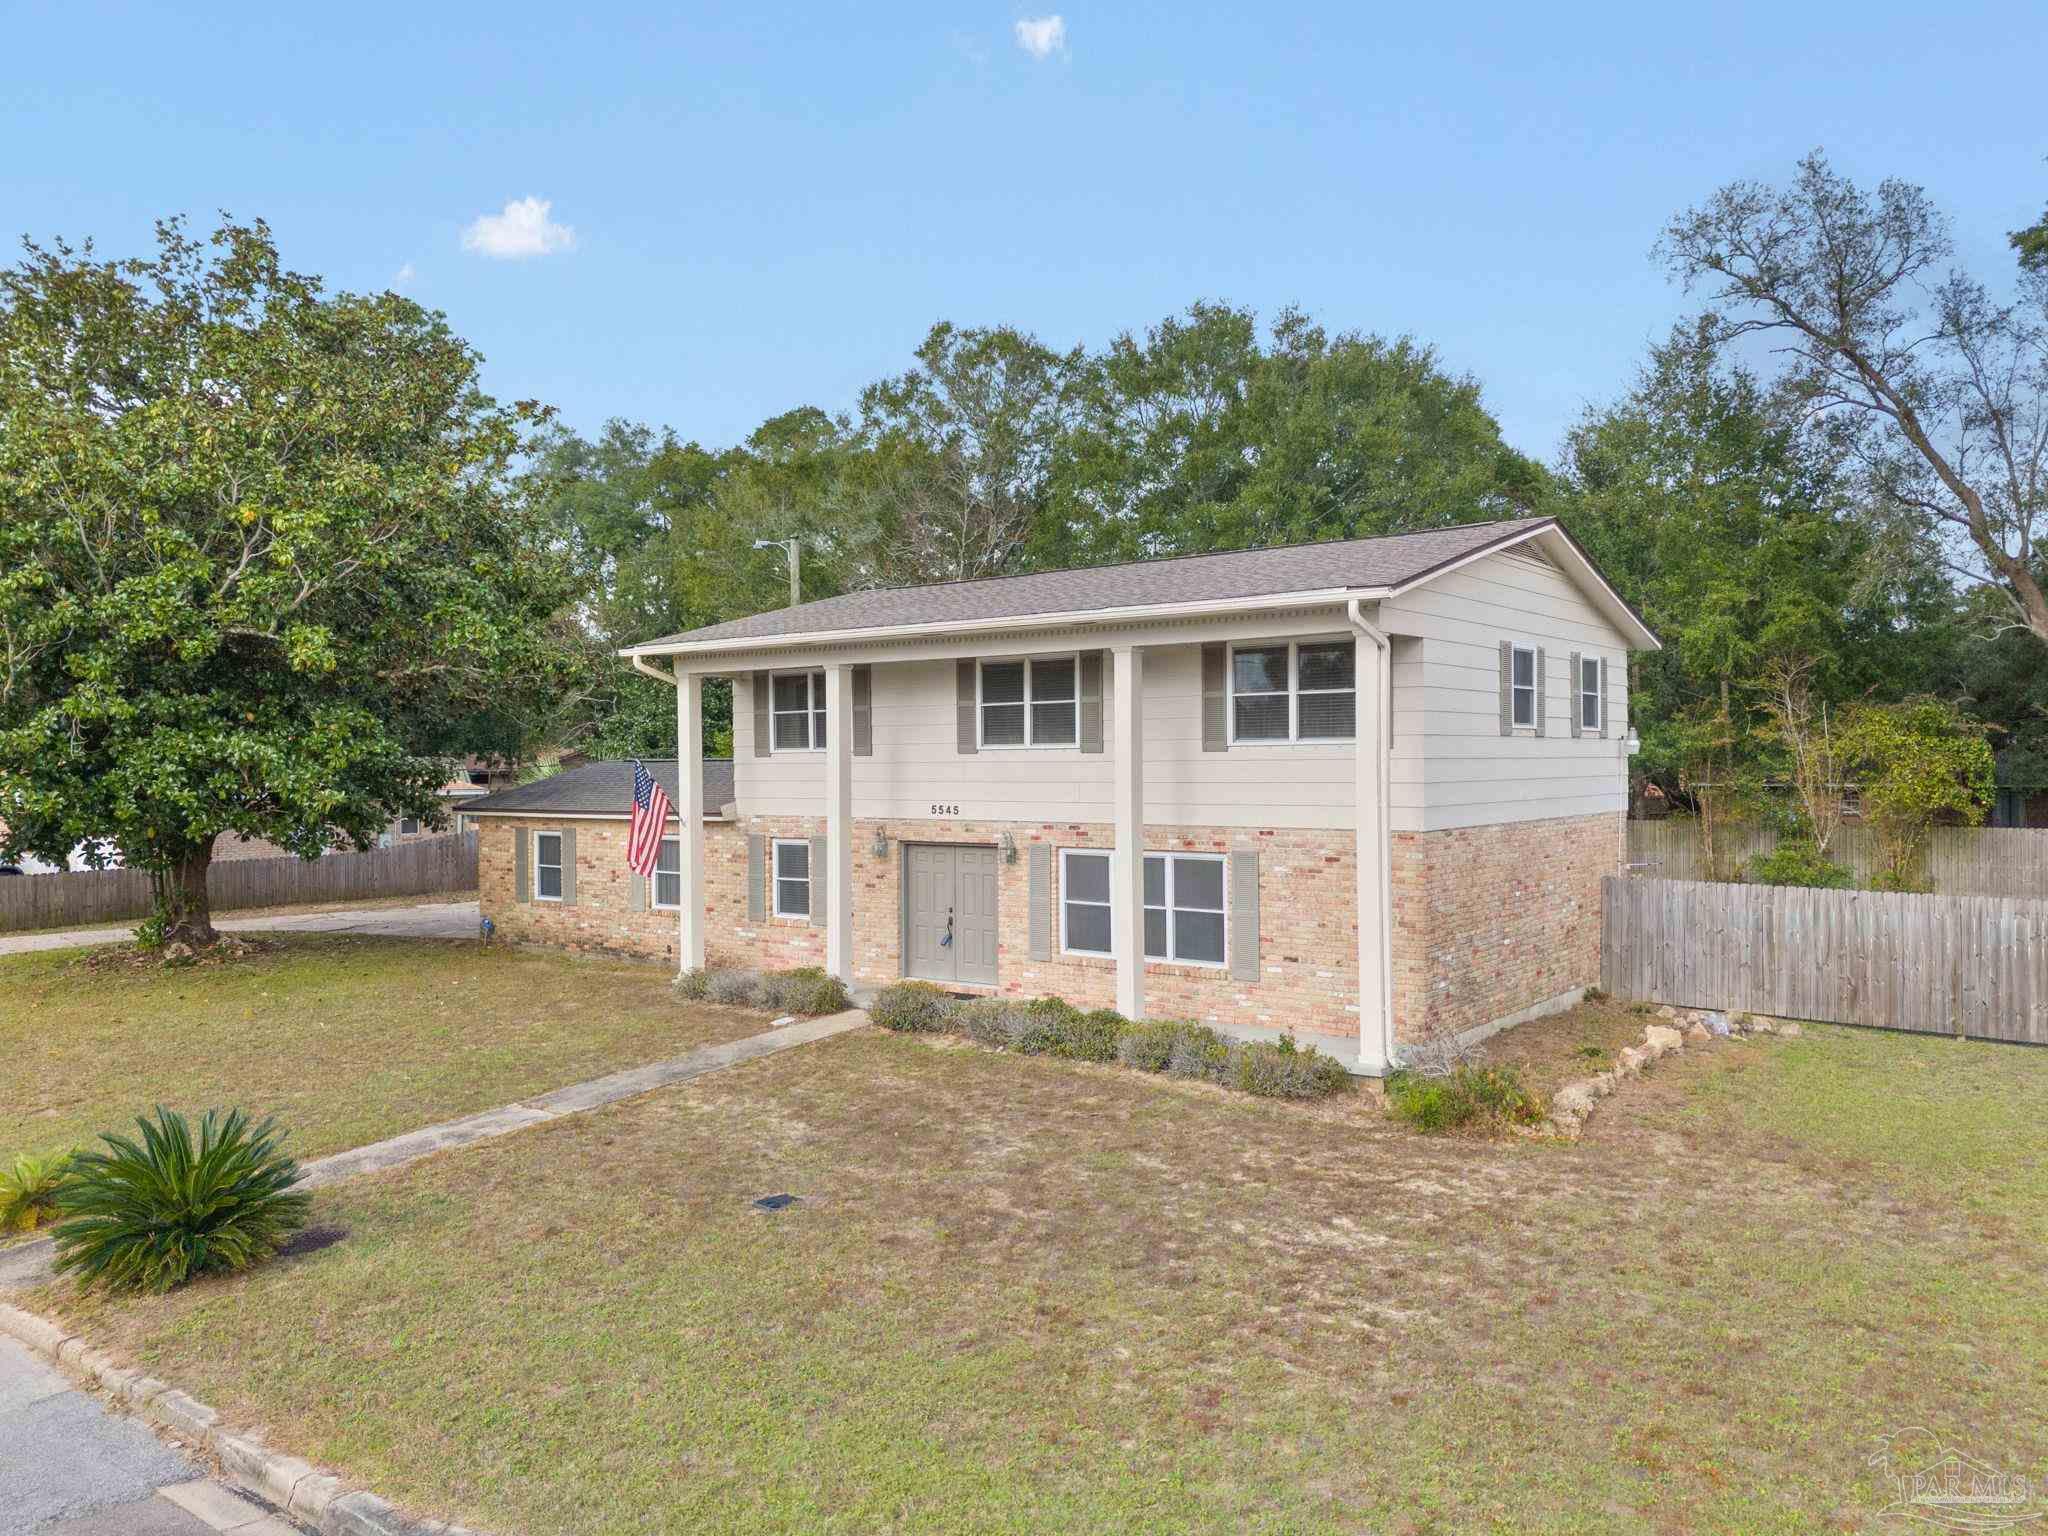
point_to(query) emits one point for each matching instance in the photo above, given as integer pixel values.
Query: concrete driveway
(68, 1467)
(428, 920)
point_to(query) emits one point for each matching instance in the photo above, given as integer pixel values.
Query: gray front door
(949, 913)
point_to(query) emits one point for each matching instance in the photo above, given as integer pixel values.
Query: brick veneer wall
(1492, 920)
(1307, 914)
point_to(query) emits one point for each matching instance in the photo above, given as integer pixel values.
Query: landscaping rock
(1633, 1059)
(1698, 1033)
(1572, 1102)
(1788, 1030)
(1718, 1025)
(1662, 1040)
(1667, 1012)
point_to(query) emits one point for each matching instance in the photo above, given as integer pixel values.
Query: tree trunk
(181, 899)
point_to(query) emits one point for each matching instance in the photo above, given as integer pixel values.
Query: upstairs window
(1522, 697)
(1590, 702)
(1294, 691)
(798, 711)
(1034, 703)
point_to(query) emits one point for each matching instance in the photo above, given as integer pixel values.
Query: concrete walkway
(28, 1263)
(68, 1467)
(428, 920)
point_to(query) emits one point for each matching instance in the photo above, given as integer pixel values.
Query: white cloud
(1042, 36)
(523, 229)
(403, 275)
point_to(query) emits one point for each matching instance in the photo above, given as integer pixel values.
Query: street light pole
(796, 589)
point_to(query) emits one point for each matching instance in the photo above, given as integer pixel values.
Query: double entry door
(949, 912)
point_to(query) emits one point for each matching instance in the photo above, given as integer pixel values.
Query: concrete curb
(304, 1492)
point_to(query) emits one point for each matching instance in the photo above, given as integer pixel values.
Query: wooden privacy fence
(111, 895)
(1961, 861)
(1971, 965)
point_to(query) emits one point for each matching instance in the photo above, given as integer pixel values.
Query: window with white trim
(668, 875)
(1590, 702)
(547, 866)
(1084, 902)
(1035, 703)
(1300, 690)
(408, 826)
(1183, 908)
(792, 877)
(1522, 685)
(797, 711)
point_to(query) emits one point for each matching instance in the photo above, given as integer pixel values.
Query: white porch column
(1127, 866)
(838, 871)
(690, 816)
(1375, 908)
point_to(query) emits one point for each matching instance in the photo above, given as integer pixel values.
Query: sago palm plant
(152, 1214)
(28, 1191)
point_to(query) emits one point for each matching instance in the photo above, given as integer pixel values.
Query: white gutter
(1375, 856)
(1135, 614)
(659, 674)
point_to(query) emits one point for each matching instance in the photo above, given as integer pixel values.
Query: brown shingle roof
(1245, 573)
(601, 788)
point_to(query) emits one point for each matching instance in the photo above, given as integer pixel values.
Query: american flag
(650, 820)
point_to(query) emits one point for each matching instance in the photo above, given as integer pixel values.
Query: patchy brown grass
(1021, 1295)
(1560, 1049)
(345, 1039)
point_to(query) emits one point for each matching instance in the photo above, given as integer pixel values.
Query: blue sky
(771, 204)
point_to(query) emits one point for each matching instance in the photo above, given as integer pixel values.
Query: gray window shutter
(1578, 708)
(965, 734)
(1542, 694)
(1244, 916)
(757, 878)
(1507, 688)
(1603, 696)
(820, 882)
(863, 711)
(636, 892)
(522, 877)
(568, 866)
(1215, 698)
(757, 688)
(1041, 900)
(1091, 701)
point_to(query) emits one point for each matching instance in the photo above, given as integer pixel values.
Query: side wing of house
(1510, 789)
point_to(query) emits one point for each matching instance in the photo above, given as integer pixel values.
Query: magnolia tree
(258, 569)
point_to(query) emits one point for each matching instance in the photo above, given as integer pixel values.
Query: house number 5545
(945, 810)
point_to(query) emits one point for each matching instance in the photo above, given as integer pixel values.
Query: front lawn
(346, 1040)
(1021, 1294)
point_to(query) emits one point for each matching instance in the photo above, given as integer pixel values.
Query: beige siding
(1472, 775)
(1451, 766)
(915, 765)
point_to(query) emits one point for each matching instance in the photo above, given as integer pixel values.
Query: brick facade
(1489, 921)
(1308, 914)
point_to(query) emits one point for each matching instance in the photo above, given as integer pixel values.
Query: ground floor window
(668, 875)
(1183, 906)
(547, 866)
(1084, 902)
(792, 877)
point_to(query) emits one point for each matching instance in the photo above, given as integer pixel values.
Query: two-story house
(1363, 791)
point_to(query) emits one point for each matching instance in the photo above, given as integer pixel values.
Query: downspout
(1381, 856)
(646, 669)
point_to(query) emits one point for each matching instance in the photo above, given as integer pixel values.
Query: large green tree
(1732, 523)
(259, 569)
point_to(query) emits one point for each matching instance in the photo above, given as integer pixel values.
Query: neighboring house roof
(1184, 582)
(602, 788)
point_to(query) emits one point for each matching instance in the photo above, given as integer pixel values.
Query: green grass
(1025, 1295)
(345, 1040)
